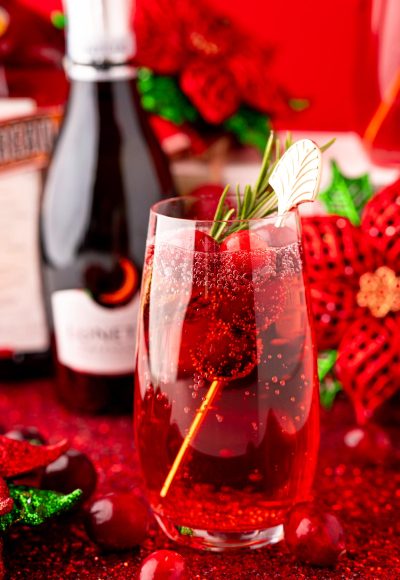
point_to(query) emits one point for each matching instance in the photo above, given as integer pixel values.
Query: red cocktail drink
(225, 342)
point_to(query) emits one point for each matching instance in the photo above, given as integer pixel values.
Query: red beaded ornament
(355, 296)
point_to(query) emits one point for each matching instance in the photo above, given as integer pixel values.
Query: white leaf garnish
(297, 174)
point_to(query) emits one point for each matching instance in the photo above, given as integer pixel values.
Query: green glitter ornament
(347, 196)
(33, 507)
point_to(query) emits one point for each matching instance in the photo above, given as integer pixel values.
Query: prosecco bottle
(106, 171)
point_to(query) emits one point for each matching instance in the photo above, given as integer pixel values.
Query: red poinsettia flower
(354, 276)
(218, 66)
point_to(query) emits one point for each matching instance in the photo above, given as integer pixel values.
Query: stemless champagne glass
(226, 402)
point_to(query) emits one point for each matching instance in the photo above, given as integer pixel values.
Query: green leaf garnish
(257, 201)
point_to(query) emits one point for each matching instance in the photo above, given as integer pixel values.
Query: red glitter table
(367, 501)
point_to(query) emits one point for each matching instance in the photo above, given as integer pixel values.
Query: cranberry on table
(313, 536)
(117, 521)
(369, 445)
(72, 470)
(163, 565)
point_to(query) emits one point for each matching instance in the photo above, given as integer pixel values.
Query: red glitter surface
(365, 499)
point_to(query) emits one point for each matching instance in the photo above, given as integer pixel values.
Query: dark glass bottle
(107, 170)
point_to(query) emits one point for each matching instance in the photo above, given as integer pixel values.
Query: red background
(326, 53)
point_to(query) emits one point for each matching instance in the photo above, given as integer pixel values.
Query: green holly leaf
(347, 196)
(162, 96)
(34, 506)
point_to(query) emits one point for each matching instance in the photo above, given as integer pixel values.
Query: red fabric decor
(356, 297)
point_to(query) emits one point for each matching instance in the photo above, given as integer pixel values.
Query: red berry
(163, 565)
(118, 521)
(72, 470)
(205, 243)
(243, 240)
(247, 251)
(194, 240)
(278, 236)
(314, 537)
(369, 445)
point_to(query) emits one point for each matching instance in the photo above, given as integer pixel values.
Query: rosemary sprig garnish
(257, 201)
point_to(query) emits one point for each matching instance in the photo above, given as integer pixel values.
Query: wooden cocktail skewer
(194, 427)
(295, 179)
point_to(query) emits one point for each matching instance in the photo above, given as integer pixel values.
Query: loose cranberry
(118, 521)
(163, 565)
(314, 537)
(369, 445)
(244, 246)
(30, 434)
(72, 470)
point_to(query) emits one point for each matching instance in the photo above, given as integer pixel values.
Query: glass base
(220, 541)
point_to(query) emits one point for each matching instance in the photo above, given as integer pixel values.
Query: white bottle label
(23, 327)
(93, 339)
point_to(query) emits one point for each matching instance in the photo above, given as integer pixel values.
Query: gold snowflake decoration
(380, 292)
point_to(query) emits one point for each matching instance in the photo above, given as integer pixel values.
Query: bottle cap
(100, 32)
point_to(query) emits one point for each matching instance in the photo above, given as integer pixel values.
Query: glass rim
(154, 210)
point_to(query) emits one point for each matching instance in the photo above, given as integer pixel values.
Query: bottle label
(23, 326)
(91, 338)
